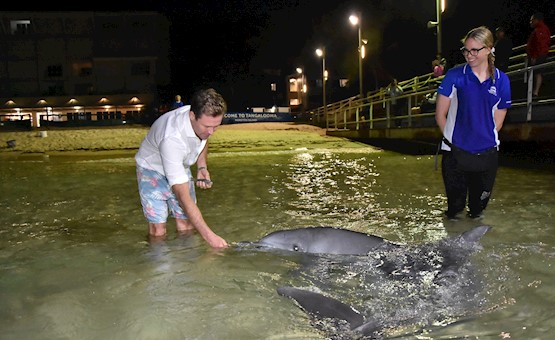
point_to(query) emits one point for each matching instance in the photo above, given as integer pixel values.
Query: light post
(440, 8)
(356, 21)
(321, 52)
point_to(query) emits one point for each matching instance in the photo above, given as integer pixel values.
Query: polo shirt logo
(492, 90)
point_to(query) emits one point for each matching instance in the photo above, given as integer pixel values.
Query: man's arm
(194, 215)
(202, 169)
(202, 160)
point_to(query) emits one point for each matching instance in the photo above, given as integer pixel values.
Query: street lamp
(440, 8)
(356, 21)
(321, 52)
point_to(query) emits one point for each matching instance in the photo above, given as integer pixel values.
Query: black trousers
(459, 185)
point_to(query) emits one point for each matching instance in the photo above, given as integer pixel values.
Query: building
(81, 68)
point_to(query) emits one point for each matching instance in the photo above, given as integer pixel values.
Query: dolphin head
(297, 240)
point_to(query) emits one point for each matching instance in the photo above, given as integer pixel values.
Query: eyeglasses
(473, 51)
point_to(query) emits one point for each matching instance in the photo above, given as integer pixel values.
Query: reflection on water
(74, 261)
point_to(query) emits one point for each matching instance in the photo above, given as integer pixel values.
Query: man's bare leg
(183, 226)
(156, 232)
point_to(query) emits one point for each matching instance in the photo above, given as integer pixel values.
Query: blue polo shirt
(470, 124)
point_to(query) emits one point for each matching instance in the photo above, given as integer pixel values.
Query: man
(537, 48)
(503, 49)
(176, 141)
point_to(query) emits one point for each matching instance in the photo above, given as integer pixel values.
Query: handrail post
(409, 111)
(358, 117)
(529, 94)
(371, 116)
(388, 113)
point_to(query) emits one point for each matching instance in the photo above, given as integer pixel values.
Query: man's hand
(216, 241)
(203, 178)
(204, 183)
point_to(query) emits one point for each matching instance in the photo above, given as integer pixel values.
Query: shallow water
(75, 264)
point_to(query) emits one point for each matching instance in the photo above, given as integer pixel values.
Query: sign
(255, 117)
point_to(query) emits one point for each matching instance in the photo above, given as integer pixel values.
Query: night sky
(221, 43)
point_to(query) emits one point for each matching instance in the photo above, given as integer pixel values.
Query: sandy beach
(126, 139)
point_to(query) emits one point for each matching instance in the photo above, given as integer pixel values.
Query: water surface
(75, 263)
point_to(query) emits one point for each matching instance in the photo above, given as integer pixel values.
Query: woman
(470, 109)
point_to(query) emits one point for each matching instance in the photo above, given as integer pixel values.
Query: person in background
(503, 49)
(177, 140)
(537, 48)
(438, 66)
(177, 103)
(470, 109)
(394, 90)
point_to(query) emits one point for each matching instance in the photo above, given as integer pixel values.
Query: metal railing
(377, 111)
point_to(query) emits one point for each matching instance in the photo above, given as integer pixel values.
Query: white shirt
(171, 146)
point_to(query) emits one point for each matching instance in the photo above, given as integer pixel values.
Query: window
(110, 25)
(54, 71)
(20, 26)
(85, 71)
(140, 69)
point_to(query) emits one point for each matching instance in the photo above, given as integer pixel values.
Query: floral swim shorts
(157, 196)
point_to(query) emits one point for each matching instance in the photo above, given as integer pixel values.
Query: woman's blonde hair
(484, 36)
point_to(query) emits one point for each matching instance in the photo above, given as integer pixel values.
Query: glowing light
(354, 20)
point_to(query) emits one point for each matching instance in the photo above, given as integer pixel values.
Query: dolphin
(324, 240)
(454, 253)
(333, 240)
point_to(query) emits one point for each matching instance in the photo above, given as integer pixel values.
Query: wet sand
(126, 140)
